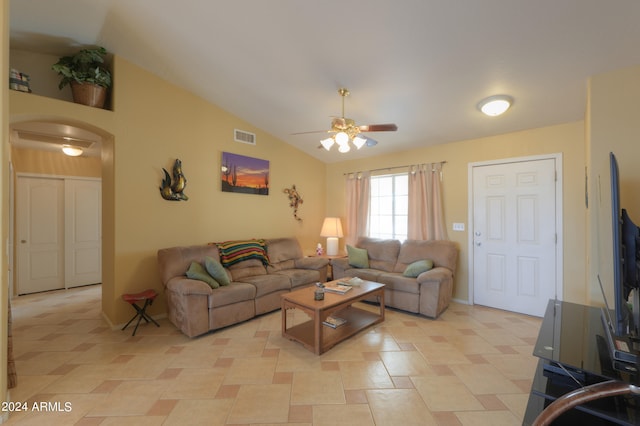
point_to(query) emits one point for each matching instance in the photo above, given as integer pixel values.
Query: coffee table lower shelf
(357, 319)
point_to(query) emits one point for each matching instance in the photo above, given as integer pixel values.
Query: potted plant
(87, 75)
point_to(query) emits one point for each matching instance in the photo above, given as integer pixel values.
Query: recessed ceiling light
(495, 105)
(72, 151)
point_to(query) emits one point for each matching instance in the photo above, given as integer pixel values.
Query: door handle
(478, 243)
(23, 241)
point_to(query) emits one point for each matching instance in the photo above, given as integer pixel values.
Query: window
(389, 206)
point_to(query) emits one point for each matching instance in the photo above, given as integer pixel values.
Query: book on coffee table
(352, 282)
(334, 322)
(333, 287)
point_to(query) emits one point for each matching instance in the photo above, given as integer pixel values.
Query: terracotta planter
(88, 94)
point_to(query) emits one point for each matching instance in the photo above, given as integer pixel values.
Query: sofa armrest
(339, 265)
(436, 274)
(186, 286)
(316, 263)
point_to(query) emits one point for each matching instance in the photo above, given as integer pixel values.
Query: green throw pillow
(358, 258)
(418, 267)
(197, 272)
(216, 270)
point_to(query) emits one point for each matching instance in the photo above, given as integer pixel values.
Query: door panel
(514, 223)
(83, 240)
(40, 234)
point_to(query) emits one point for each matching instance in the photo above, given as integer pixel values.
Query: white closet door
(40, 224)
(83, 236)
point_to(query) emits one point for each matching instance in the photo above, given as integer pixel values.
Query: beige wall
(614, 127)
(152, 123)
(567, 139)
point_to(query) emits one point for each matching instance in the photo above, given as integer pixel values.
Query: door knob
(23, 241)
(478, 243)
(478, 233)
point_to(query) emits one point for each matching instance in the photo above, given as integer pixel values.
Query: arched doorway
(36, 150)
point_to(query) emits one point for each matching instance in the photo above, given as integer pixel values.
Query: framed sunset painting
(243, 174)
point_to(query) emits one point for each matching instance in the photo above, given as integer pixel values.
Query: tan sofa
(428, 294)
(195, 307)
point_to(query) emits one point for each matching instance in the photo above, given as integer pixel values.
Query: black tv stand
(573, 353)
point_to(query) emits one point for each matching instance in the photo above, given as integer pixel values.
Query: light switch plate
(458, 226)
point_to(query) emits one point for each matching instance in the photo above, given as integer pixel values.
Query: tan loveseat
(428, 294)
(195, 307)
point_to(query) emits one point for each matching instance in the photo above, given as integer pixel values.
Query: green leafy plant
(86, 66)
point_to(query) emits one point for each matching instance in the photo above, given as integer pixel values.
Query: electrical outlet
(458, 226)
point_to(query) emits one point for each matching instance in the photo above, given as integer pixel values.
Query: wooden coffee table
(319, 338)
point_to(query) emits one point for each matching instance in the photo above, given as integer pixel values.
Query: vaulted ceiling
(421, 64)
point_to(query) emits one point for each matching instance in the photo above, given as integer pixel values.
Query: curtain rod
(394, 167)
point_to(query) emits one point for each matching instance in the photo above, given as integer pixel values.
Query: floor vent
(244, 137)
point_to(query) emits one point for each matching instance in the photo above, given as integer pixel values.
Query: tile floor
(472, 366)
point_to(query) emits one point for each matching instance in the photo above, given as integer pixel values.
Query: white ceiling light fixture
(495, 105)
(72, 151)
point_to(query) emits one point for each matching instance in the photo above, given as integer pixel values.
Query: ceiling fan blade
(378, 128)
(371, 142)
(314, 131)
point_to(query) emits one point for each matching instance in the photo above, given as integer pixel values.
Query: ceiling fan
(345, 130)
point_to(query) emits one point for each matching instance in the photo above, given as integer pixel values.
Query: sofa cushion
(441, 252)
(416, 268)
(232, 252)
(197, 272)
(247, 268)
(364, 273)
(217, 271)
(283, 249)
(398, 282)
(358, 257)
(299, 277)
(230, 294)
(279, 266)
(174, 261)
(266, 284)
(383, 254)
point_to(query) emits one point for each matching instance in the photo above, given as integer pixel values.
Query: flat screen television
(626, 261)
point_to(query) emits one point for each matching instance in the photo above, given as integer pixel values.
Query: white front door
(514, 235)
(40, 236)
(83, 239)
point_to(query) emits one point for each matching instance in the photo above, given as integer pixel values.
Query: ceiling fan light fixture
(495, 105)
(344, 148)
(359, 141)
(342, 138)
(72, 151)
(327, 143)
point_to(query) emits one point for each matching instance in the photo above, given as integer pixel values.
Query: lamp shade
(332, 227)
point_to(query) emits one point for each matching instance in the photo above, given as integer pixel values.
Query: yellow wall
(152, 123)
(614, 127)
(54, 163)
(567, 139)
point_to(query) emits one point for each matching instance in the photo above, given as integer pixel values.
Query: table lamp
(332, 229)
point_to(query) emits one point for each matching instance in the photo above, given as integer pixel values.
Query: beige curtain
(358, 187)
(426, 218)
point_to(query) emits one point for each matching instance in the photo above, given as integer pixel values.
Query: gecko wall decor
(295, 199)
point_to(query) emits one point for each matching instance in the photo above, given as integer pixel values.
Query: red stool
(147, 296)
